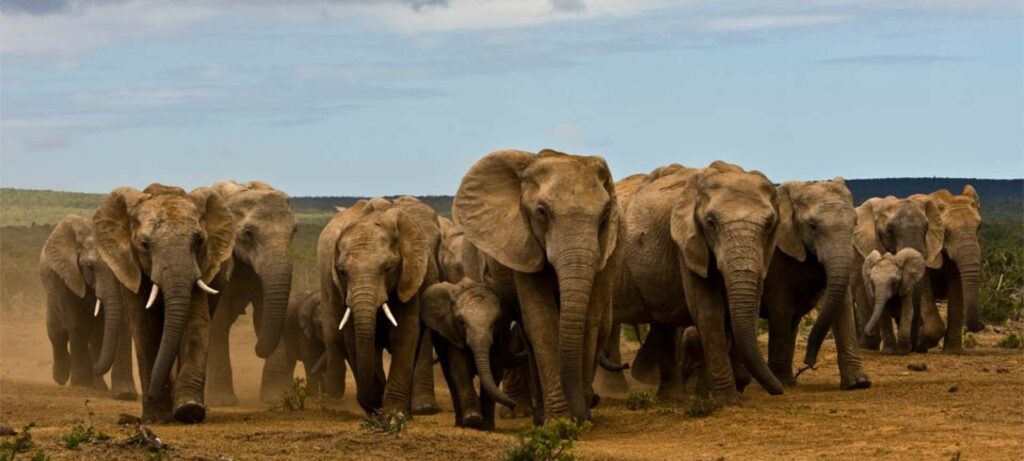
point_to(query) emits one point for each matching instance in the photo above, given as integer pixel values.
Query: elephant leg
(424, 402)
(461, 369)
(311, 354)
(707, 307)
(885, 329)
(662, 338)
(95, 344)
(220, 388)
(851, 370)
(454, 391)
(517, 381)
(608, 382)
(487, 403)
(540, 318)
(955, 311)
(59, 339)
(863, 313)
(190, 382)
(278, 374)
(598, 329)
(931, 328)
(781, 342)
(122, 382)
(146, 332)
(81, 361)
(739, 371)
(906, 325)
(337, 344)
(404, 344)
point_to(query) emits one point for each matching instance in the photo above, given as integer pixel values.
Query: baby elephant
(461, 315)
(303, 340)
(890, 281)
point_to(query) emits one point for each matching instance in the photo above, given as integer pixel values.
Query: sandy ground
(971, 406)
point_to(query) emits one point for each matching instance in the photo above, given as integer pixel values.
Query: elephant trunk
(177, 304)
(113, 318)
(277, 284)
(364, 316)
(968, 260)
(872, 326)
(575, 268)
(481, 354)
(837, 274)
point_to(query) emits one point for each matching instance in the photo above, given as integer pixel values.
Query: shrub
(1011, 341)
(550, 442)
(970, 341)
(82, 432)
(386, 422)
(701, 407)
(1001, 296)
(19, 443)
(294, 398)
(640, 400)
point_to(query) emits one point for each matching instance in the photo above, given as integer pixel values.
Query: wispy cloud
(756, 22)
(891, 59)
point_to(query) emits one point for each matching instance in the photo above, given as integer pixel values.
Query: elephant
(165, 246)
(892, 284)
(891, 224)
(470, 332)
(259, 272)
(449, 255)
(375, 259)
(303, 340)
(551, 219)
(812, 262)
(78, 285)
(958, 279)
(698, 247)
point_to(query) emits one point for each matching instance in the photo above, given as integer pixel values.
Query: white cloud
(771, 21)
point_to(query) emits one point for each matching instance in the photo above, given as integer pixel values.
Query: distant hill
(864, 189)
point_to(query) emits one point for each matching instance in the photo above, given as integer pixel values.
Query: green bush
(294, 398)
(19, 443)
(701, 407)
(1001, 296)
(550, 442)
(387, 422)
(83, 432)
(1011, 341)
(640, 400)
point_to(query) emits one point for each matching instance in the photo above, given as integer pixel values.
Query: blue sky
(351, 97)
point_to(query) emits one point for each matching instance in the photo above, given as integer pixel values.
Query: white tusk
(152, 296)
(206, 287)
(512, 326)
(344, 318)
(388, 313)
(96, 312)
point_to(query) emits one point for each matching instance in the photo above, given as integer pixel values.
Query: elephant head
(264, 227)
(891, 224)
(373, 252)
(529, 210)
(467, 313)
(961, 218)
(816, 221)
(888, 276)
(309, 318)
(449, 256)
(730, 219)
(175, 240)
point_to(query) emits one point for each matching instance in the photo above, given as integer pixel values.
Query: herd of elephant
(524, 291)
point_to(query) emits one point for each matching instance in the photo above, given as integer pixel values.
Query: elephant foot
(870, 343)
(595, 400)
(425, 408)
(975, 326)
(221, 399)
(473, 419)
(523, 409)
(727, 397)
(889, 350)
(672, 394)
(190, 412)
(99, 385)
(126, 395)
(857, 382)
(952, 349)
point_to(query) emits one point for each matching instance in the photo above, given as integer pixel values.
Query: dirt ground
(967, 407)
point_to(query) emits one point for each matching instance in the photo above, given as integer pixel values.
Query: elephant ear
(62, 250)
(327, 244)
(219, 223)
(935, 236)
(439, 315)
(869, 262)
(227, 188)
(112, 232)
(911, 269)
(973, 195)
(488, 208)
(787, 235)
(865, 238)
(688, 234)
(609, 232)
(415, 251)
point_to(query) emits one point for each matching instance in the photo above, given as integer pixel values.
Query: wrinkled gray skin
(174, 240)
(891, 282)
(470, 333)
(812, 262)
(302, 340)
(551, 219)
(74, 277)
(259, 273)
(698, 246)
(891, 224)
(373, 253)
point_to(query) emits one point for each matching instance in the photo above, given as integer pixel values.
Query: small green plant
(294, 398)
(640, 400)
(18, 443)
(1011, 341)
(550, 442)
(386, 421)
(701, 407)
(970, 341)
(84, 432)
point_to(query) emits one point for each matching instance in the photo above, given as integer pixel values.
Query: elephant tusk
(205, 287)
(388, 313)
(152, 295)
(96, 311)
(344, 318)
(512, 326)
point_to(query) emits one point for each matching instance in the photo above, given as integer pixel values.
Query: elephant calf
(303, 340)
(892, 283)
(461, 315)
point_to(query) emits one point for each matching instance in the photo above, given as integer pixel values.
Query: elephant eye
(249, 233)
(542, 213)
(812, 226)
(198, 239)
(711, 222)
(145, 243)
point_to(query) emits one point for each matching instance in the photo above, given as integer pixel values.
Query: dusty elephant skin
(891, 224)
(375, 260)
(470, 332)
(958, 279)
(698, 247)
(78, 287)
(258, 273)
(812, 261)
(891, 282)
(165, 246)
(550, 218)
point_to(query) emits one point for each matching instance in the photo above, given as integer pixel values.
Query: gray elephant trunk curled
(481, 348)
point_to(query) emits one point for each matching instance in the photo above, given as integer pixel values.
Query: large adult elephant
(813, 260)
(375, 260)
(698, 247)
(551, 219)
(958, 279)
(78, 285)
(891, 224)
(165, 246)
(258, 273)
